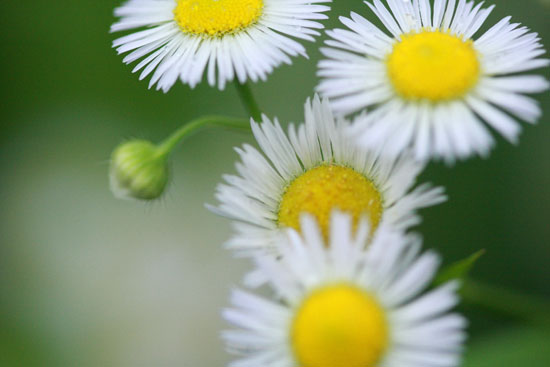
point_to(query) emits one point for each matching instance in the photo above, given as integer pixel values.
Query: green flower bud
(139, 170)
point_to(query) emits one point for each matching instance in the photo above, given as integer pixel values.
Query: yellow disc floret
(215, 18)
(339, 325)
(434, 66)
(320, 190)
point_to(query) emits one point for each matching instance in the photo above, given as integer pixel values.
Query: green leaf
(458, 270)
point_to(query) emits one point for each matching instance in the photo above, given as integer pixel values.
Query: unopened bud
(139, 170)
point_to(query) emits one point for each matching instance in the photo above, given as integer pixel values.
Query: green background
(88, 280)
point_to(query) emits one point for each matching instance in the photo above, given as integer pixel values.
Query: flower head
(343, 306)
(431, 84)
(316, 168)
(138, 170)
(223, 39)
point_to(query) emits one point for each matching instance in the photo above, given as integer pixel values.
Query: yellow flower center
(320, 190)
(435, 66)
(215, 18)
(339, 325)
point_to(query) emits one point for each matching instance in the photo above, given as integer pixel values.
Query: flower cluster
(348, 286)
(324, 208)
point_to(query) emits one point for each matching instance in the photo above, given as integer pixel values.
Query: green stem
(506, 302)
(248, 101)
(191, 127)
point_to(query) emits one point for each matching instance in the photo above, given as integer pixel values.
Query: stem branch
(228, 122)
(248, 101)
(504, 301)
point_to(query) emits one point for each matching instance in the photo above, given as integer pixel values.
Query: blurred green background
(88, 280)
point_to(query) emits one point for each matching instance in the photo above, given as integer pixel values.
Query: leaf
(458, 270)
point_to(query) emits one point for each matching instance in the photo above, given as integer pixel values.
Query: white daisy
(222, 38)
(430, 83)
(315, 169)
(343, 306)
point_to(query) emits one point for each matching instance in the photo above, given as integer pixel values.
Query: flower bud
(139, 170)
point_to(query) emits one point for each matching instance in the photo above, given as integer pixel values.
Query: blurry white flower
(343, 306)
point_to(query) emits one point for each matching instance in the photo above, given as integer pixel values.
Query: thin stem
(191, 127)
(504, 301)
(248, 101)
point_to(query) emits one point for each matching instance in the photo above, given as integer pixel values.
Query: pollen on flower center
(434, 66)
(320, 190)
(339, 325)
(215, 18)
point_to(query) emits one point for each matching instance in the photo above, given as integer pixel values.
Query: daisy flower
(342, 306)
(222, 38)
(314, 169)
(432, 86)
